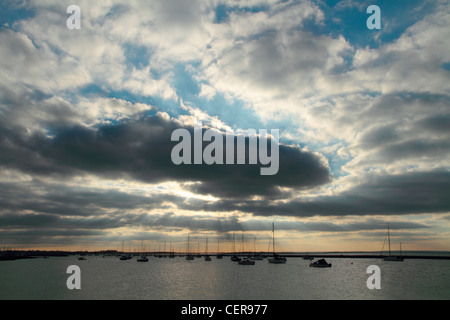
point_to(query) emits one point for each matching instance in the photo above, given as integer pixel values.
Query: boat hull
(320, 266)
(246, 263)
(276, 261)
(392, 258)
(322, 263)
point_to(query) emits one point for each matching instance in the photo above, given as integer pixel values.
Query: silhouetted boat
(247, 262)
(207, 257)
(81, 258)
(257, 256)
(124, 256)
(275, 258)
(142, 259)
(172, 254)
(391, 257)
(189, 256)
(320, 264)
(218, 256)
(235, 258)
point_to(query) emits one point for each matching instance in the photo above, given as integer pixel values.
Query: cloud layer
(86, 118)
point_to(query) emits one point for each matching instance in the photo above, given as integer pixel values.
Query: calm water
(179, 279)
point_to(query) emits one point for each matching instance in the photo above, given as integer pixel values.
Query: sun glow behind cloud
(86, 117)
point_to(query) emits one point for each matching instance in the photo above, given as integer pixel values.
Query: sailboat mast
(188, 245)
(389, 241)
(273, 236)
(234, 245)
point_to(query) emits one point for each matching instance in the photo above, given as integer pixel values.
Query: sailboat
(218, 256)
(207, 257)
(276, 258)
(143, 257)
(189, 256)
(391, 257)
(172, 254)
(234, 257)
(256, 256)
(124, 256)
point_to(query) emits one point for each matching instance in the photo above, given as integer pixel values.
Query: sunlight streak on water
(178, 279)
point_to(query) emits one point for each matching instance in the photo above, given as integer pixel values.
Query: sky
(86, 118)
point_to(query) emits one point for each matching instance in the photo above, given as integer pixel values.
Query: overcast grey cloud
(141, 150)
(86, 118)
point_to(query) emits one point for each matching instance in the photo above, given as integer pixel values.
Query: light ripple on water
(179, 279)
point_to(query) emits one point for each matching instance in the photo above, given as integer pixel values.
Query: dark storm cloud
(436, 124)
(141, 149)
(61, 200)
(411, 193)
(415, 148)
(404, 127)
(405, 106)
(379, 136)
(44, 228)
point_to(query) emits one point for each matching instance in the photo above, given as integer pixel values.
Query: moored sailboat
(392, 257)
(207, 257)
(275, 258)
(189, 256)
(256, 255)
(219, 255)
(143, 257)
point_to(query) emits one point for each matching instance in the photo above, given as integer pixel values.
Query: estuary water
(106, 278)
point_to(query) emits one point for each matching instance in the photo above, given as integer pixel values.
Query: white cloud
(207, 91)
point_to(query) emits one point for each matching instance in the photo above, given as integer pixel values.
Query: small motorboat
(320, 264)
(142, 259)
(246, 262)
(235, 258)
(393, 258)
(257, 256)
(277, 259)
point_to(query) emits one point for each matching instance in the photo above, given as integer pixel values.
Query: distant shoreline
(30, 254)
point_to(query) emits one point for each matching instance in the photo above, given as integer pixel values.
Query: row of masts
(275, 258)
(162, 247)
(190, 255)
